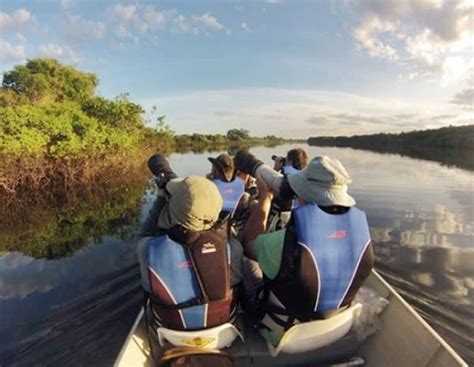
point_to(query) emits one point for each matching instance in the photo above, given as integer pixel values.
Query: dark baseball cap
(224, 164)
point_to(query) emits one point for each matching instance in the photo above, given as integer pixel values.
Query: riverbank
(58, 136)
(453, 145)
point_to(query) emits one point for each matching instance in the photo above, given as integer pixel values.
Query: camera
(277, 158)
(163, 179)
(161, 169)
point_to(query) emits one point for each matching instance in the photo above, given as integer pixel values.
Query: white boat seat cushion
(316, 334)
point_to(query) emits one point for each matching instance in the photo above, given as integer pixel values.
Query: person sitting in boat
(296, 159)
(230, 185)
(314, 267)
(189, 266)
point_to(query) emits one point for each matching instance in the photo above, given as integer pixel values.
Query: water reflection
(55, 232)
(69, 279)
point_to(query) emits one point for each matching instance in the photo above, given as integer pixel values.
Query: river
(72, 303)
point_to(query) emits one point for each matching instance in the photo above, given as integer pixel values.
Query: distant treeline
(56, 131)
(453, 145)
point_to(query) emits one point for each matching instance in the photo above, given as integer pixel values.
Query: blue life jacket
(174, 282)
(336, 243)
(288, 169)
(231, 193)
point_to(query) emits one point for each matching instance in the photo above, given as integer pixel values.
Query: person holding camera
(296, 159)
(313, 268)
(189, 266)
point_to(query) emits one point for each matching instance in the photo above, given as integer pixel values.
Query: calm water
(76, 310)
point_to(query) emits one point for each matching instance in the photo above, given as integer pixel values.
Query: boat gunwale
(427, 326)
(377, 277)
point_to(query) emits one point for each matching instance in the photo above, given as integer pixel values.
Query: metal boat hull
(404, 339)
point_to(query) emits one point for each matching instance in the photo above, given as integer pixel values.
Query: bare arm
(257, 222)
(271, 177)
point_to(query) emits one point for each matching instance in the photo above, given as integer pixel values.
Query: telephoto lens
(160, 167)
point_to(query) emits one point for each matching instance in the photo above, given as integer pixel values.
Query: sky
(276, 67)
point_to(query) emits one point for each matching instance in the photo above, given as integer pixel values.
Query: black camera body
(163, 179)
(159, 166)
(276, 158)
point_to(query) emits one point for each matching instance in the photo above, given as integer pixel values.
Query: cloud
(51, 50)
(301, 113)
(124, 13)
(431, 38)
(20, 38)
(10, 53)
(208, 21)
(66, 4)
(65, 53)
(245, 27)
(18, 19)
(367, 36)
(146, 21)
(464, 98)
(391, 122)
(81, 29)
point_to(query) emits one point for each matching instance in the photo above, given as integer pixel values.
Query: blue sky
(294, 68)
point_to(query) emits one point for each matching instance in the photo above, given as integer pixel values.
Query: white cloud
(146, 21)
(431, 39)
(208, 21)
(20, 38)
(62, 52)
(156, 18)
(301, 113)
(82, 29)
(124, 13)
(245, 27)
(16, 20)
(10, 53)
(66, 4)
(368, 34)
(51, 50)
(464, 98)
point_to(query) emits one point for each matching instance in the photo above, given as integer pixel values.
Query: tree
(238, 134)
(43, 81)
(119, 112)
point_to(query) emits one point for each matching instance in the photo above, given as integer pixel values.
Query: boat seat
(316, 334)
(218, 337)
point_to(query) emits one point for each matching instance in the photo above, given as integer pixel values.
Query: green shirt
(268, 250)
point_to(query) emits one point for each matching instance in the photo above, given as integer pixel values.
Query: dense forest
(453, 145)
(56, 133)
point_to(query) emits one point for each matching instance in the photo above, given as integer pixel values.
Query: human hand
(279, 163)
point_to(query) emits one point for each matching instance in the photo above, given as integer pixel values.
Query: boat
(403, 339)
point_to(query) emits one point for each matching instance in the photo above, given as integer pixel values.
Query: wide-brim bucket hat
(224, 164)
(324, 181)
(194, 203)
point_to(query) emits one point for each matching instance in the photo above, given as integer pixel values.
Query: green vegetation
(50, 111)
(453, 145)
(55, 131)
